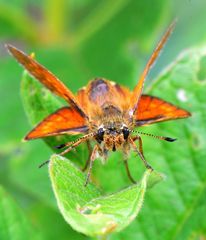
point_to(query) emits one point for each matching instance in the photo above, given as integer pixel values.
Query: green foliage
(116, 46)
(13, 222)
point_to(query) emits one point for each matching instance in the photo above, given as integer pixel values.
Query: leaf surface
(86, 209)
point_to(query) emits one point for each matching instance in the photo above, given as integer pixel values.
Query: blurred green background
(79, 40)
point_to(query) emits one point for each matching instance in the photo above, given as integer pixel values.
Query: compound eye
(125, 132)
(100, 135)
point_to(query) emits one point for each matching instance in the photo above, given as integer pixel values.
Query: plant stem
(55, 18)
(103, 237)
(102, 14)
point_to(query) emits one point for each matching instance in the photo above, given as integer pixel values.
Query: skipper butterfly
(103, 112)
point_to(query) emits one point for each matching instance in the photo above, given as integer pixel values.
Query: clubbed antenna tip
(170, 139)
(60, 146)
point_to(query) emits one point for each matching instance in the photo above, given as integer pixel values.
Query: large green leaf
(85, 209)
(14, 224)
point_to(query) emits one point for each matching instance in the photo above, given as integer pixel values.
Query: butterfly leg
(140, 150)
(89, 156)
(128, 171)
(44, 163)
(91, 161)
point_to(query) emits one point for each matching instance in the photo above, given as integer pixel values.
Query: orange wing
(64, 120)
(45, 77)
(152, 109)
(139, 87)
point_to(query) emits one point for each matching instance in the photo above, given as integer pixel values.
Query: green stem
(55, 18)
(100, 237)
(103, 237)
(96, 20)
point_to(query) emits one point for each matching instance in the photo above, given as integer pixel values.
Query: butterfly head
(112, 136)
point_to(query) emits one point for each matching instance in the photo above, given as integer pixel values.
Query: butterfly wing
(45, 77)
(64, 120)
(152, 109)
(139, 87)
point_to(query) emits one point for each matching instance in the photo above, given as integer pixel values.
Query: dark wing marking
(152, 109)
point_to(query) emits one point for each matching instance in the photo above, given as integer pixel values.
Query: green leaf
(85, 208)
(47, 217)
(14, 224)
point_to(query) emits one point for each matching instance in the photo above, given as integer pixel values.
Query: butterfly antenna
(63, 145)
(70, 144)
(75, 143)
(168, 139)
(43, 164)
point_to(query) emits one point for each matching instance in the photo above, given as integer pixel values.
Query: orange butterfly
(103, 111)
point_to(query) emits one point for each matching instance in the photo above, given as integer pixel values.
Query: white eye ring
(123, 125)
(101, 126)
